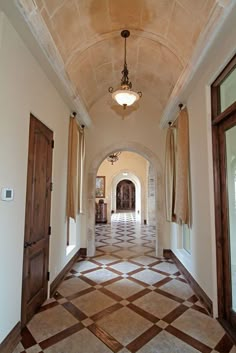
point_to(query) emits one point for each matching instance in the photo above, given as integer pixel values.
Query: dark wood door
(227, 164)
(37, 219)
(224, 159)
(125, 195)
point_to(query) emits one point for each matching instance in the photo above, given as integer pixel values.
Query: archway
(157, 182)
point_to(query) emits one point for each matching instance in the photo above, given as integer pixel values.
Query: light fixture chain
(125, 63)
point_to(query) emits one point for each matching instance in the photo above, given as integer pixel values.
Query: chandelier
(113, 157)
(125, 96)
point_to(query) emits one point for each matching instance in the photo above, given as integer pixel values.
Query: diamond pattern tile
(124, 325)
(124, 299)
(148, 276)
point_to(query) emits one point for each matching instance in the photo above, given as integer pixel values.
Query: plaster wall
(202, 261)
(25, 89)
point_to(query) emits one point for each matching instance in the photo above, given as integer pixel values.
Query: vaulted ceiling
(86, 36)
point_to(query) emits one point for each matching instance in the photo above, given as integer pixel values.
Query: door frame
(28, 211)
(221, 121)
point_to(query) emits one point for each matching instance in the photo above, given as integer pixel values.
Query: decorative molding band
(57, 281)
(167, 253)
(12, 340)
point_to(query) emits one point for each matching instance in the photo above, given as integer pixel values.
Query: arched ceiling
(87, 35)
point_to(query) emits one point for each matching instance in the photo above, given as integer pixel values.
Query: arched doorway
(125, 196)
(158, 187)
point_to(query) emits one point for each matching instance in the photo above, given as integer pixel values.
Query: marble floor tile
(109, 248)
(106, 259)
(144, 260)
(35, 349)
(71, 286)
(167, 343)
(125, 267)
(82, 342)
(93, 302)
(124, 325)
(156, 304)
(84, 266)
(49, 322)
(148, 276)
(124, 288)
(101, 275)
(19, 348)
(125, 254)
(177, 288)
(200, 326)
(166, 267)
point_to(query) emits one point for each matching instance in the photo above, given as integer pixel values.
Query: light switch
(7, 194)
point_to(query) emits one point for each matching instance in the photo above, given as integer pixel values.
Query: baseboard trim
(12, 340)
(83, 252)
(203, 297)
(60, 277)
(229, 329)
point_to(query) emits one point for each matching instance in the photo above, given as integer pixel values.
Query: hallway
(124, 300)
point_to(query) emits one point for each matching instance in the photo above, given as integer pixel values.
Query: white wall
(202, 261)
(24, 88)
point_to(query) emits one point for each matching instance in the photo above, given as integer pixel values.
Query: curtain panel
(72, 169)
(170, 175)
(182, 197)
(76, 159)
(81, 161)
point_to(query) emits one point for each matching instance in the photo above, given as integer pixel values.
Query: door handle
(29, 244)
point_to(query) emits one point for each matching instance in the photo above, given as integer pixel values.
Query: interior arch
(158, 182)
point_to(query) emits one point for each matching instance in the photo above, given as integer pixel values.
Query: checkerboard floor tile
(124, 299)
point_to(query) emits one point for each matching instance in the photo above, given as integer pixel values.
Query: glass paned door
(223, 98)
(227, 164)
(228, 91)
(230, 137)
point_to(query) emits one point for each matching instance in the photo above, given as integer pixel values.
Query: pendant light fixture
(125, 96)
(112, 158)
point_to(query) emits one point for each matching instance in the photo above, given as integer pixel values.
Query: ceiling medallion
(112, 158)
(124, 95)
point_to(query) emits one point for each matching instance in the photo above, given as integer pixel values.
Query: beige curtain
(170, 175)
(81, 160)
(76, 159)
(72, 169)
(181, 209)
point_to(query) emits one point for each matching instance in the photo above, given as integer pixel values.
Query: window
(228, 91)
(186, 238)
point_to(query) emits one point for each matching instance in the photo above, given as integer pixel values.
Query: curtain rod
(181, 107)
(74, 116)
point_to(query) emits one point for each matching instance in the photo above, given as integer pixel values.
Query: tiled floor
(124, 300)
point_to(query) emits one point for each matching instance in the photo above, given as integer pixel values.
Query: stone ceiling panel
(86, 34)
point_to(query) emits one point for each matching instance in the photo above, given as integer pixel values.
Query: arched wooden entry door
(125, 195)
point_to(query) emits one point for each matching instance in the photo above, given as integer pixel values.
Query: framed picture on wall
(100, 186)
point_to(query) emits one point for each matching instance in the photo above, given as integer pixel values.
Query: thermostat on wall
(7, 194)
